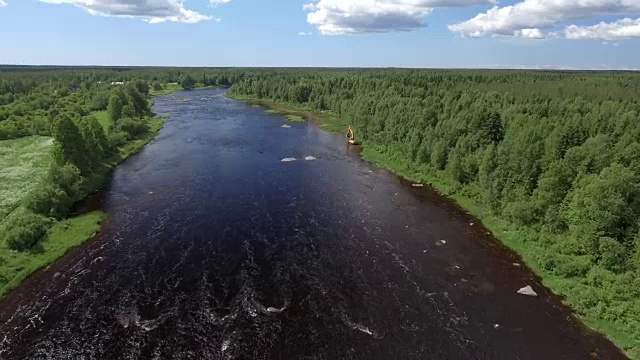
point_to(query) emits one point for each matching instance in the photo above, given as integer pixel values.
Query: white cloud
(621, 29)
(530, 33)
(342, 17)
(302, 33)
(529, 14)
(152, 11)
(218, 2)
(2, 3)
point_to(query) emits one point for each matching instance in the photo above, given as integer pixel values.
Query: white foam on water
(309, 158)
(359, 327)
(148, 325)
(363, 328)
(276, 310)
(225, 345)
(288, 159)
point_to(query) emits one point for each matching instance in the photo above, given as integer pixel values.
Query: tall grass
(104, 120)
(24, 163)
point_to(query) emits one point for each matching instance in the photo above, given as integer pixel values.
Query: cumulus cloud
(152, 11)
(2, 3)
(533, 14)
(621, 29)
(302, 33)
(342, 17)
(530, 33)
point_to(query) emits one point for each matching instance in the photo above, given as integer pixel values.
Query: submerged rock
(527, 290)
(276, 310)
(98, 259)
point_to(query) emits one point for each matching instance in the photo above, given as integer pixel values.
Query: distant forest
(555, 155)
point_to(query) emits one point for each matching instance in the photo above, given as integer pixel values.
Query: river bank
(514, 237)
(64, 235)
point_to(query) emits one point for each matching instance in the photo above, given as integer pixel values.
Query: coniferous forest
(550, 161)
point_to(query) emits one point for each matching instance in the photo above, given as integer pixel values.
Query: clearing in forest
(23, 163)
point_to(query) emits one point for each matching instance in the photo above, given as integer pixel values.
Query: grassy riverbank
(326, 120)
(168, 89)
(61, 237)
(25, 163)
(173, 87)
(518, 238)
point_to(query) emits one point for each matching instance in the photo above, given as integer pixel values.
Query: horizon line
(540, 68)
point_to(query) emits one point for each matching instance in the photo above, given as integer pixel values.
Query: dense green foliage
(187, 82)
(555, 154)
(62, 236)
(81, 147)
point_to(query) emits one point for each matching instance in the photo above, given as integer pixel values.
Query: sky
(538, 34)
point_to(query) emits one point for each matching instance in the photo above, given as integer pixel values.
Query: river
(216, 249)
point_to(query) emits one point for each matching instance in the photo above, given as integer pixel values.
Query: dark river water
(216, 249)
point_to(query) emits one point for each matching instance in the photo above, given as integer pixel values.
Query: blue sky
(594, 34)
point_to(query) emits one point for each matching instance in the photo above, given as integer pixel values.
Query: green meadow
(24, 163)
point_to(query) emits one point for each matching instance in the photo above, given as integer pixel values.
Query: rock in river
(527, 290)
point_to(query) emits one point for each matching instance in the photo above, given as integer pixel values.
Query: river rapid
(217, 249)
